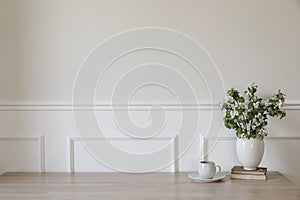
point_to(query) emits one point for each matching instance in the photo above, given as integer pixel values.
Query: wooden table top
(89, 186)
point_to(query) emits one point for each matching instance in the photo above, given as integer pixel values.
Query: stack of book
(238, 172)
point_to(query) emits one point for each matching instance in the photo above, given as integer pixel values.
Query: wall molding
(40, 140)
(72, 141)
(42, 106)
(204, 153)
(266, 138)
(105, 107)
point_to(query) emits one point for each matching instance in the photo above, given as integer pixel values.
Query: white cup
(208, 169)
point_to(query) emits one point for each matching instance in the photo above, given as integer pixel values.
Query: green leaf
(241, 99)
(245, 115)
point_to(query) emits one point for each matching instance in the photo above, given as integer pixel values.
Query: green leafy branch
(248, 115)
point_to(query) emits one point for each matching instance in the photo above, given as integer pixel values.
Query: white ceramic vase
(250, 152)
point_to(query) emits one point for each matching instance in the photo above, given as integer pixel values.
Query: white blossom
(243, 114)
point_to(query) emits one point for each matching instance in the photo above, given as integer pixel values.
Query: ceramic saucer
(195, 176)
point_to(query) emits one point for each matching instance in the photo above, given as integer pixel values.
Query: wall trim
(72, 141)
(204, 153)
(40, 140)
(43, 153)
(266, 138)
(104, 107)
(33, 106)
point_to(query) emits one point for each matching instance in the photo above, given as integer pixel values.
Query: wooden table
(161, 186)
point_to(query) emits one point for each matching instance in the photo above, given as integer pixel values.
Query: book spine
(248, 176)
(248, 172)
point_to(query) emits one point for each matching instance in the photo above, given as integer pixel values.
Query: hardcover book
(249, 176)
(240, 170)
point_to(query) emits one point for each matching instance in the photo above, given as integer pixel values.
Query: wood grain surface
(89, 186)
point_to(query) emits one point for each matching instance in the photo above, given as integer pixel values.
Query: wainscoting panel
(84, 157)
(60, 150)
(22, 154)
